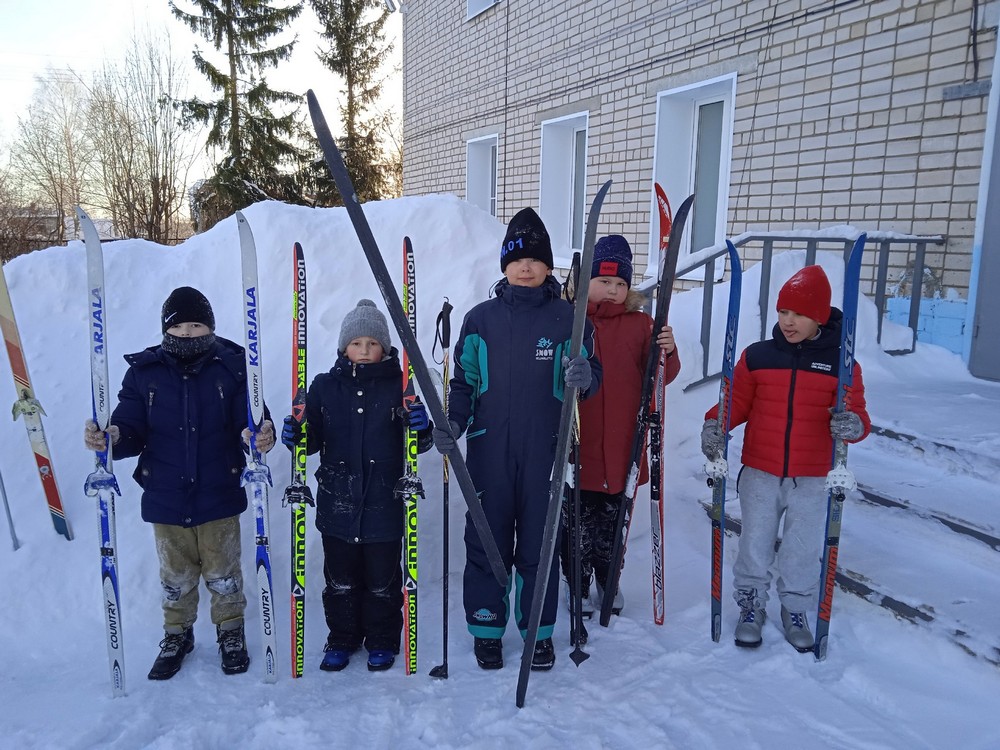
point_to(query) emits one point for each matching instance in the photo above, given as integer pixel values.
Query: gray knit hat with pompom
(364, 320)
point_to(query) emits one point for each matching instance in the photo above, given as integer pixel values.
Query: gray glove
(444, 440)
(846, 425)
(713, 442)
(576, 372)
(95, 440)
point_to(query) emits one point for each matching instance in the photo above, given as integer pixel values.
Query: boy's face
(796, 328)
(526, 272)
(608, 289)
(364, 350)
(189, 330)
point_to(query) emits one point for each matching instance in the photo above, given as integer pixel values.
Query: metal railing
(884, 242)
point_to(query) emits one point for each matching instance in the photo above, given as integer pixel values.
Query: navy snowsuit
(355, 421)
(507, 389)
(184, 421)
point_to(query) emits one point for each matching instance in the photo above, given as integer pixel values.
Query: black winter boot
(173, 648)
(233, 647)
(489, 653)
(544, 657)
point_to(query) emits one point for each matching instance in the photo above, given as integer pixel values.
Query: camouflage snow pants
(210, 551)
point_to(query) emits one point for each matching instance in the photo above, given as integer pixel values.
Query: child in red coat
(622, 336)
(785, 389)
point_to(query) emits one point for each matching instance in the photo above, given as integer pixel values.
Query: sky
(82, 34)
(888, 683)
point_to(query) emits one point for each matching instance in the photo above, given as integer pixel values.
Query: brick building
(778, 115)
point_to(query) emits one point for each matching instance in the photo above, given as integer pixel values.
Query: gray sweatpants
(764, 498)
(211, 551)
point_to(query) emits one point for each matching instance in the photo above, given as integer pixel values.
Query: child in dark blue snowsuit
(507, 390)
(355, 419)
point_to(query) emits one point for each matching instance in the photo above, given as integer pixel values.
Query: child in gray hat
(355, 418)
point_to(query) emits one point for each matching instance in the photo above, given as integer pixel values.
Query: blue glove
(444, 439)
(291, 432)
(576, 372)
(416, 416)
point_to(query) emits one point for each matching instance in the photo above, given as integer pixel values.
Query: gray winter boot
(797, 630)
(752, 617)
(598, 599)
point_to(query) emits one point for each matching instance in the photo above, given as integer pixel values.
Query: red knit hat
(807, 293)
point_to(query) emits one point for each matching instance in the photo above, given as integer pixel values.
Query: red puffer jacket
(784, 393)
(622, 336)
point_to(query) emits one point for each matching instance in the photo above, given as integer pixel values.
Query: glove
(291, 432)
(265, 437)
(95, 440)
(713, 442)
(416, 416)
(444, 439)
(576, 372)
(846, 425)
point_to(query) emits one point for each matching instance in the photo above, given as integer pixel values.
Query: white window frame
(560, 174)
(474, 7)
(674, 152)
(481, 170)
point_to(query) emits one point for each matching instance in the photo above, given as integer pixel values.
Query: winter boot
(797, 630)
(335, 659)
(380, 659)
(616, 607)
(489, 653)
(544, 657)
(233, 647)
(173, 648)
(752, 617)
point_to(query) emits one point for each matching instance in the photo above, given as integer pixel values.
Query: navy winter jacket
(508, 362)
(184, 421)
(356, 422)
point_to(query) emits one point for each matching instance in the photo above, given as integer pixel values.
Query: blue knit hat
(613, 257)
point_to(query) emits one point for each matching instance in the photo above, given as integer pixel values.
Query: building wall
(846, 112)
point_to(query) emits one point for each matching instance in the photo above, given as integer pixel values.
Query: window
(481, 173)
(563, 199)
(475, 7)
(693, 152)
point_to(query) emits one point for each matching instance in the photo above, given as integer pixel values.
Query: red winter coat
(784, 393)
(622, 336)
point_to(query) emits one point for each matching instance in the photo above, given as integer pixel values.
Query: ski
(27, 406)
(257, 476)
(297, 494)
(718, 469)
(443, 335)
(655, 435)
(840, 480)
(565, 435)
(410, 488)
(624, 518)
(335, 163)
(10, 521)
(101, 483)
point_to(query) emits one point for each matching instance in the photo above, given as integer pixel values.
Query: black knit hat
(526, 238)
(612, 257)
(186, 305)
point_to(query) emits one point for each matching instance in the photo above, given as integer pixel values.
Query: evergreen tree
(357, 49)
(260, 159)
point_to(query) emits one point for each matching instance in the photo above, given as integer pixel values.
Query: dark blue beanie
(526, 238)
(613, 257)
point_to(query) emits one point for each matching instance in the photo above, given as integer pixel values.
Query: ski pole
(10, 521)
(444, 336)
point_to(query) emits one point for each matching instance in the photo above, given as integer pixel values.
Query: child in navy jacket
(507, 391)
(356, 419)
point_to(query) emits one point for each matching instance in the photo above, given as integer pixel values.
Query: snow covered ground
(887, 682)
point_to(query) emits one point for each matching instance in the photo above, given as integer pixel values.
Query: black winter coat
(355, 420)
(184, 421)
